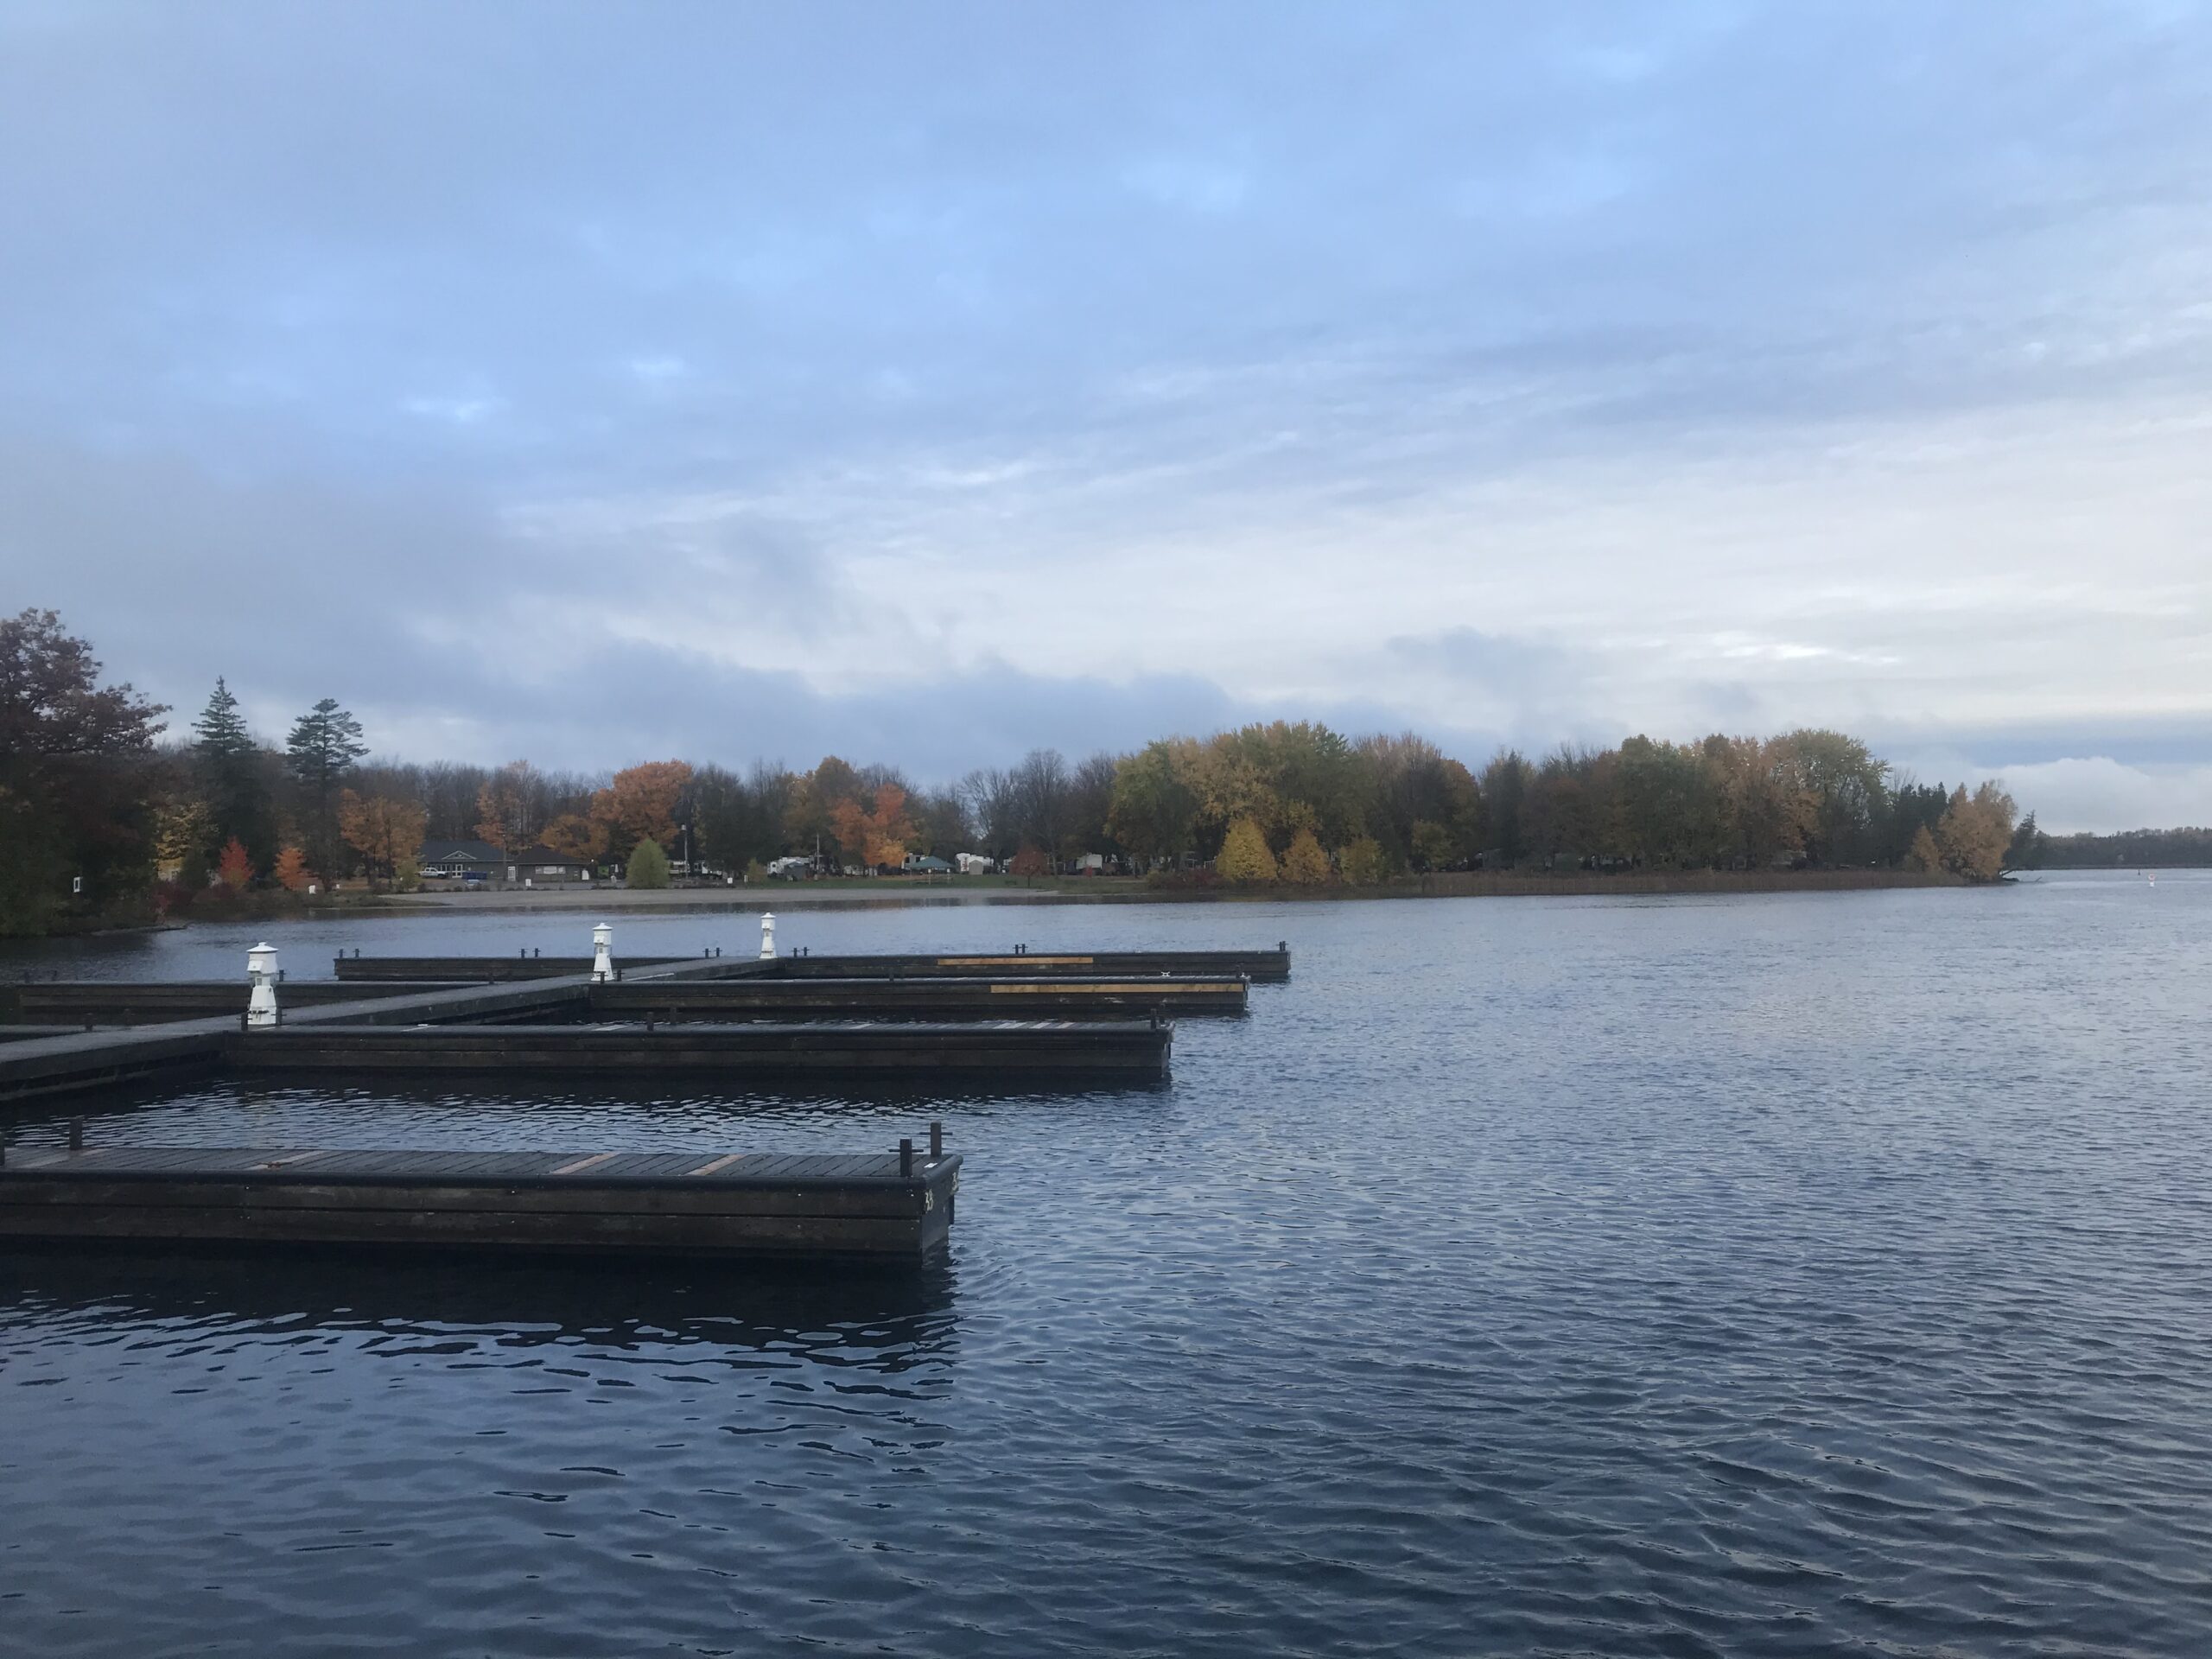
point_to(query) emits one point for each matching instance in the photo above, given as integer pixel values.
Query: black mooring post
(76, 1134)
(1283, 945)
(243, 1013)
(905, 1155)
(936, 1139)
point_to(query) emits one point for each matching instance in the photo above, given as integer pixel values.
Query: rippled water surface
(1783, 1274)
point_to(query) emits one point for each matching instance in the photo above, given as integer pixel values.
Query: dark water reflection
(1777, 1276)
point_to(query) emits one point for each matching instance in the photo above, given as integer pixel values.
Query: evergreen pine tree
(325, 743)
(231, 779)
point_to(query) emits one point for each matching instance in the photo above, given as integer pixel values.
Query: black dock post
(76, 1134)
(905, 1155)
(937, 1140)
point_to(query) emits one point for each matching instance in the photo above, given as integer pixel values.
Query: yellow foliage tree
(1244, 856)
(387, 833)
(1304, 863)
(1362, 862)
(1975, 831)
(1924, 855)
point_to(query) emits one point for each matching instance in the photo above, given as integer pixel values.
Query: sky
(926, 382)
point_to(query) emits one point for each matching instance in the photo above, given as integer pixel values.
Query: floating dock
(924, 997)
(1101, 1014)
(142, 1002)
(1136, 1050)
(884, 1205)
(1258, 966)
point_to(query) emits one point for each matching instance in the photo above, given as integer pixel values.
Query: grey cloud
(326, 307)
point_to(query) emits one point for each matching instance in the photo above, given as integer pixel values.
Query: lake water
(1784, 1274)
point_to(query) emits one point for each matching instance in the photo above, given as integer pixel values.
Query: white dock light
(767, 936)
(261, 975)
(602, 954)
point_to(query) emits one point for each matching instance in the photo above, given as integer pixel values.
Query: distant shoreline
(1457, 885)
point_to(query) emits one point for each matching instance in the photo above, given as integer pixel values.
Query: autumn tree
(1923, 856)
(509, 808)
(643, 803)
(1304, 863)
(1030, 861)
(1152, 810)
(1975, 831)
(811, 803)
(182, 829)
(574, 835)
(1244, 857)
(321, 754)
(385, 831)
(1362, 862)
(292, 872)
(878, 834)
(1432, 845)
(235, 866)
(77, 779)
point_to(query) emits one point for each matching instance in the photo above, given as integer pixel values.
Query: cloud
(1519, 376)
(2096, 793)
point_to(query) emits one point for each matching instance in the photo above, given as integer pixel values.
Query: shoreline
(1471, 884)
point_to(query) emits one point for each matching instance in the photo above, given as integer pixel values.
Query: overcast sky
(926, 382)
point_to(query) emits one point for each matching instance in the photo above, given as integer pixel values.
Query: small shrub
(648, 865)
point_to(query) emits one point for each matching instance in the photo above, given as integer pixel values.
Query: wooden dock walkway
(1260, 966)
(695, 1203)
(1137, 1051)
(140, 1002)
(924, 997)
(1102, 1014)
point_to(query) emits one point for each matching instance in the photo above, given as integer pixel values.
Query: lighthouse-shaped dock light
(767, 936)
(261, 975)
(602, 954)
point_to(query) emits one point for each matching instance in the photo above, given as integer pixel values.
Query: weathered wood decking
(1138, 1051)
(141, 1003)
(922, 997)
(703, 1203)
(1258, 966)
(1075, 1013)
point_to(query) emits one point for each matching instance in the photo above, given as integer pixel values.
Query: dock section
(1260, 966)
(1131, 1050)
(922, 997)
(886, 1205)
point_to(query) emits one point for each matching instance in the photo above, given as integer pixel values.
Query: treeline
(98, 817)
(2164, 850)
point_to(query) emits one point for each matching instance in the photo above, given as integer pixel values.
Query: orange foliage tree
(236, 865)
(880, 836)
(573, 836)
(640, 806)
(291, 870)
(507, 807)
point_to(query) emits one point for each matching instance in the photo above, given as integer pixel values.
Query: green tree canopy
(648, 866)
